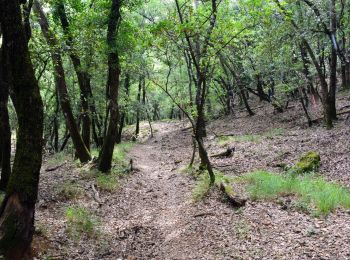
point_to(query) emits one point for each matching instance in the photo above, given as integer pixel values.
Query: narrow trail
(155, 202)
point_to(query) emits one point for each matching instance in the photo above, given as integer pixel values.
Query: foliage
(320, 196)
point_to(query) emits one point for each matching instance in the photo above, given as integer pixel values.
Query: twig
(96, 195)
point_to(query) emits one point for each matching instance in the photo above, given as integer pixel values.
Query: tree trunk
(5, 130)
(18, 208)
(259, 88)
(138, 109)
(333, 64)
(106, 155)
(82, 75)
(244, 98)
(122, 118)
(60, 81)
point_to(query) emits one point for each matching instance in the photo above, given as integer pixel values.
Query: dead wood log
(228, 153)
(234, 200)
(203, 214)
(187, 128)
(338, 114)
(51, 169)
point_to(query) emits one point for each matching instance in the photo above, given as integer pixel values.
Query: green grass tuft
(70, 190)
(107, 182)
(311, 190)
(81, 221)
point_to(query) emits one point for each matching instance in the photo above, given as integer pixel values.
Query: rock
(309, 162)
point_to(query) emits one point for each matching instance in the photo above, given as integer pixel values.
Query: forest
(174, 129)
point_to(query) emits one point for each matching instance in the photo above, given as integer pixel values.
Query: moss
(309, 162)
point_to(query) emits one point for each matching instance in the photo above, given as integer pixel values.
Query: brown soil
(152, 214)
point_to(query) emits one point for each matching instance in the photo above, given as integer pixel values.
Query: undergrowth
(107, 182)
(58, 158)
(81, 221)
(70, 190)
(110, 181)
(202, 187)
(223, 140)
(313, 193)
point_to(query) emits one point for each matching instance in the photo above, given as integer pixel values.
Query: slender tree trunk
(106, 155)
(60, 81)
(244, 98)
(138, 110)
(122, 118)
(333, 65)
(259, 88)
(82, 75)
(18, 208)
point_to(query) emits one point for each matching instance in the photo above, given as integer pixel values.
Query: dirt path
(152, 214)
(156, 201)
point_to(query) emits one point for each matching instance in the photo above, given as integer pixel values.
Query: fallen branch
(187, 128)
(338, 114)
(96, 195)
(204, 214)
(51, 169)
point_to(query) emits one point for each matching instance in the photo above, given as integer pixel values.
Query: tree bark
(5, 130)
(106, 155)
(333, 64)
(18, 208)
(60, 81)
(138, 109)
(123, 114)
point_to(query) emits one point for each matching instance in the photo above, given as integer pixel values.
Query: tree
(5, 131)
(112, 88)
(18, 208)
(60, 82)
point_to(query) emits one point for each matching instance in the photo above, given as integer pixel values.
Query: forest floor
(152, 215)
